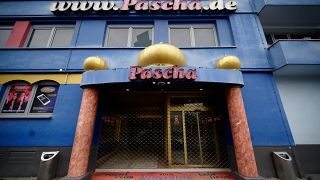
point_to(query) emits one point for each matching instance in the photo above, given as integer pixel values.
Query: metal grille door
(196, 134)
(165, 133)
(132, 140)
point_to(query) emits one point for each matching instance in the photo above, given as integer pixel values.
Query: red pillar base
(83, 138)
(245, 158)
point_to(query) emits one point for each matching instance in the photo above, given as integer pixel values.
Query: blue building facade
(280, 75)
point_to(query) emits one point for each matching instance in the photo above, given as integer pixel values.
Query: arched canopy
(204, 75)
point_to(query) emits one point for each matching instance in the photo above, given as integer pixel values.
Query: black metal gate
(150, 131)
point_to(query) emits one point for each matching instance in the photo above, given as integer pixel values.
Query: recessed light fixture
(127, 89)
(168, 82)
(201, 89)
(153, 82)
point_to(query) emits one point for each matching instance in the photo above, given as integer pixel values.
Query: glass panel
(117, 37)
(39, 38)
(45, 99)
(193, 141)
(189, 102)
(269, 39)
(297, 36)
(180, 37)
(62, 38)
(203, 147)
(177, 145)
(304, 36)
(4, 35)
(141, 37)
(280, 36)
(17, 99)
(209, 146)
(204, 37)
(314, 36)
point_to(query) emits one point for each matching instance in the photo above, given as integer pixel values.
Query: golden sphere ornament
(161, 55)
(94, 63)
(229, 62)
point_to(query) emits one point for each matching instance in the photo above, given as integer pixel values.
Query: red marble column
(245, 158)
(83, 138)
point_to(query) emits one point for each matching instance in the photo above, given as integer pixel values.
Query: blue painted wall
(89, 37)
(224, 32)
(267, 123)
(33, 59)
(295, 52)
(161, 31)
(56, 131)
(239, 34)
(91, 33)
(258, 5)
(248, 38)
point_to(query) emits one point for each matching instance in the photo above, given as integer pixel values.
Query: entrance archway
(231, 82)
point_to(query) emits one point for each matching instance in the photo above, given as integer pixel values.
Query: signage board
(143, 5)
(137, 72)
(45, 99)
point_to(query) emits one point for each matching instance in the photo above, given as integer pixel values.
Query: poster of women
(17, 99)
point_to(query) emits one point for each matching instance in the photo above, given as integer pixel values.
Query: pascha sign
(137, 72)
(143, 5)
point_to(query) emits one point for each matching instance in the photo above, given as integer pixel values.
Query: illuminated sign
(143, 5)
(167, 73)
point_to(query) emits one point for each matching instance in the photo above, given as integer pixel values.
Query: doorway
(151, 131)
(132, 135)
(196, 133)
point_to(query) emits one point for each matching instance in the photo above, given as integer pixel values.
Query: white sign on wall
(144, 5)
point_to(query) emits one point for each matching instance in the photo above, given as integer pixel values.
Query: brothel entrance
(97, 83)
(163, 130)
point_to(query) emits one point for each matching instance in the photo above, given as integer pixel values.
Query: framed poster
(17, 99)
(44, 99)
